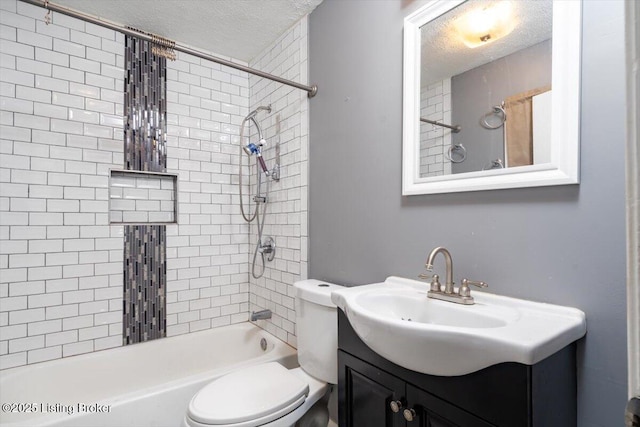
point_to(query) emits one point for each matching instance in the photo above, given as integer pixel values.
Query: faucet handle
(435, 281)
(465, 291)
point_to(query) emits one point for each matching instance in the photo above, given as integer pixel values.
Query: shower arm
(311, 90)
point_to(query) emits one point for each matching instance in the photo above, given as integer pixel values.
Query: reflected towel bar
(496, 110)
(454, 128)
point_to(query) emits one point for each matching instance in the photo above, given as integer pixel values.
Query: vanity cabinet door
(431, 411)
(365, 394)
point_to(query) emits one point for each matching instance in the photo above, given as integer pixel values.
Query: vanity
(375, 392)
(505, 363)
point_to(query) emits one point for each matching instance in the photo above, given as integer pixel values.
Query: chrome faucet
(463, 296)
(260, 315)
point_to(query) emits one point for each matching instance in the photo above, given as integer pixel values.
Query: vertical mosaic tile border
(145, 266)
(145, 280)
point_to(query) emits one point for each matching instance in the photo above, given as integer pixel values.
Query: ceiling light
(485, 24)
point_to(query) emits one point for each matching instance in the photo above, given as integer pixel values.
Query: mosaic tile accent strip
(145, 272)
(145, 106)
(145, 266)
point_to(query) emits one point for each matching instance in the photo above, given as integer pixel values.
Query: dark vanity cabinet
(374, 392)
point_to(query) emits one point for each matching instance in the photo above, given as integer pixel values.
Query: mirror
(491, 95)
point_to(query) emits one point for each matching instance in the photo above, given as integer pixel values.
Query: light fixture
(485, 24)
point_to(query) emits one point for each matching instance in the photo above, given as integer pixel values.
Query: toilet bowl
(269, 394)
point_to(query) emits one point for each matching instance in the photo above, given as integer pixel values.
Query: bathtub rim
(279, 351)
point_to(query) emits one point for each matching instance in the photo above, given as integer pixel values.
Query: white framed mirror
(491, 95)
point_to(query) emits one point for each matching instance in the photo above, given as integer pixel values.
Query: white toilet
(269, 394)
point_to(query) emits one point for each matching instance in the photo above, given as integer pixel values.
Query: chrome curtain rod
(311, 90)
(454, 128)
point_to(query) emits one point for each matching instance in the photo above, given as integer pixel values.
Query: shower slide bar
(311, 90)
(454, 128)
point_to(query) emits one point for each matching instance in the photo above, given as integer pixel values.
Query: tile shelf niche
(141, 197)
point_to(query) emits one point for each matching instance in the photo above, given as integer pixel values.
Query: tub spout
(260, 315)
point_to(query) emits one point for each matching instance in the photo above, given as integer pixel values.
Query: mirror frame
(565, 101)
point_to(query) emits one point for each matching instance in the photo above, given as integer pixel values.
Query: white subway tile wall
(207, 251)
(61, 131)
(61, 278)
(286, 221)
(435, 104)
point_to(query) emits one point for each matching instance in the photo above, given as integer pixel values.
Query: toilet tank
(317, 329)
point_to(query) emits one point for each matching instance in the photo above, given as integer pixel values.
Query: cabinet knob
(409, 414)
(395, 406)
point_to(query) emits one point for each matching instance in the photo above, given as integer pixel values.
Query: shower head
(250, 149)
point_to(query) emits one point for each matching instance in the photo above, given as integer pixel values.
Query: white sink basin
(397, 320)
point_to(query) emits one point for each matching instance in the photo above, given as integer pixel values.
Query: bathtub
(147, 384)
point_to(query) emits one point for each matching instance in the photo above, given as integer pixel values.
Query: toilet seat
(250, 397)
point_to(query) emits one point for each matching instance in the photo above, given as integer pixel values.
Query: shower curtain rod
(454, 128)
(311, 90)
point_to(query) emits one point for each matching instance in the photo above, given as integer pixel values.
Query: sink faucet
(463, 296)
(448, 283)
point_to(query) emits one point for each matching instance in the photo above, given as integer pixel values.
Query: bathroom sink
(399, 305)
(397, 320)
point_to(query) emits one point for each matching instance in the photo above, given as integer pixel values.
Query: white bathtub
(147, 384)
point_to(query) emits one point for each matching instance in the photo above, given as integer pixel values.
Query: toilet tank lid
(316, 291)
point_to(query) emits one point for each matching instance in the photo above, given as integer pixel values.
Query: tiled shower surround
(62, 130)
(207, 252)
(61, 276)
(286, 220)
(435, 104)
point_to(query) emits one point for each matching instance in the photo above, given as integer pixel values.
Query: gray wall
(474, 92)
(563, 245)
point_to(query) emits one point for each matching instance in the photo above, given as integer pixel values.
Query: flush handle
(395, 406)
(409, 414)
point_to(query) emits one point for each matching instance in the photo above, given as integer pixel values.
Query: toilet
(269, 394)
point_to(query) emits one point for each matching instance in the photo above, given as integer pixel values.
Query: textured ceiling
(444, 55)
(240, 29)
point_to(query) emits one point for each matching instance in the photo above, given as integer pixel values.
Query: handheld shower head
(250, 149)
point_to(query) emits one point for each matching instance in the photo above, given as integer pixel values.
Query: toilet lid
(248, 394)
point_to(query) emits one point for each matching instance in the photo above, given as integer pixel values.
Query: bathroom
(62, 263)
